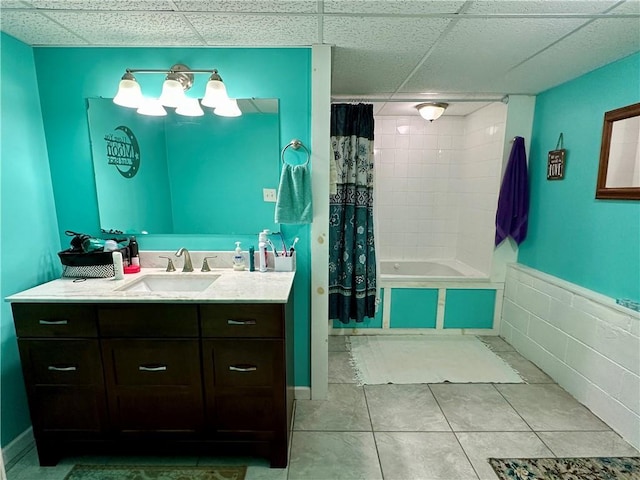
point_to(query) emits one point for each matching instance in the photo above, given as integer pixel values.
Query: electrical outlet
(269, 194)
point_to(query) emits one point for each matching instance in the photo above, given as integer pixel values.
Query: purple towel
(513, 203)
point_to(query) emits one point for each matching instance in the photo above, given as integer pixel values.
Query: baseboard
(17, 447)
(302, 393)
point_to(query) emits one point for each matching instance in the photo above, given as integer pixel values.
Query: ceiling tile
(131, 29)
(115, 5)
(255, 30)
(253, 6)
(630, 6)
(589, 48)
(35, 29)
(478, 51)
(15, 4)
(374, 55)
(539, 7)
(392, 6)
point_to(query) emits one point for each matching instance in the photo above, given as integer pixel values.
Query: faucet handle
(170, 267)
(205, 264)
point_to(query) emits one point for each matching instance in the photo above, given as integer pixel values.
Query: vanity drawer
(242, 320)
(244, 363)
(149, 321)
(54, 320)
(152, 362)
(62, 362)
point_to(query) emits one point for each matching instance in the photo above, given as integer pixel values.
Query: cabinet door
(65, 385)
(154, 385)
(244, 384)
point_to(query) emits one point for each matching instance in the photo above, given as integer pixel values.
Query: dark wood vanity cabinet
(210, 376)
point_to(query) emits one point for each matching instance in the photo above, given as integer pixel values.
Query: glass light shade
(228, 109)
(190, 108)
(129, 94)
(172, 93)
(215, 94)
(431, 111)
(152, 107)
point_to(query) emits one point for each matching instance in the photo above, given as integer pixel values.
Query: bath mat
(403, 359)
(155, 472)
(604, 468)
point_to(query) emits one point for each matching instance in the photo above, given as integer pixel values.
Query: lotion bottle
(118, 265)
(238, 258)
(262, 247)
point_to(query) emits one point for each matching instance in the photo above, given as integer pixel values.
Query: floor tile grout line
(373, 434)
(452, 431)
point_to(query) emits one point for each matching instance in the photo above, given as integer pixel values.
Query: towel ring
(296, 144)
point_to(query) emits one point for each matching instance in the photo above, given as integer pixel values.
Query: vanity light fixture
(431, 111)
(178, 80)
(228, 108)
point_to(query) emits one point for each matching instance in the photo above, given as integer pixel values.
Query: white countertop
(231, 286)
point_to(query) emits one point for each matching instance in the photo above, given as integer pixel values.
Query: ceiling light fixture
(431, 111)
(178, 80)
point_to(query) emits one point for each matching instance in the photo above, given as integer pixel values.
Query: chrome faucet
(188, 266)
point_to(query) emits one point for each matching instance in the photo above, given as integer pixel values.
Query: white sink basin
(170, 283)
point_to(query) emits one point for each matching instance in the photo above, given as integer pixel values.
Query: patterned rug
(154, 472)
(604, 468)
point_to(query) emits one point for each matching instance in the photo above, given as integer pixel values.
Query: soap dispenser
(238, 258)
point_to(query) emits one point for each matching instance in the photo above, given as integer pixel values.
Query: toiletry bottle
(238, 258)
(252, 259)
(134, 251)
(117, 265)
(262, 247)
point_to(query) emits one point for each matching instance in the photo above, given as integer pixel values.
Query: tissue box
(285, 264)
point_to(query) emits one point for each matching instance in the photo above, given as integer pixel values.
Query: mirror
(185, 175)
(619, 171)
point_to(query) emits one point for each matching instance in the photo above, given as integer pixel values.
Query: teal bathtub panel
(413, 307)
(375, 322)
(468, 308)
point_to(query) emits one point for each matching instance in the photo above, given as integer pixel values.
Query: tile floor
(403, 432)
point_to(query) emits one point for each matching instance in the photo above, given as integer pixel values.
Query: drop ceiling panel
(254, 6)
(630, 6)
(540, 6)
(477, 52)
(109, 28)
(35, 29)
(14, 4)
(409, 108)
(392, 7)
(255, 30)
(115, 5)
(594, 45)
(373, 54)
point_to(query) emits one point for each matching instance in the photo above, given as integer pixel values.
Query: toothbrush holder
(285, 264)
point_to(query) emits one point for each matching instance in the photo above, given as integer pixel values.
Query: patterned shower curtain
(352, 259)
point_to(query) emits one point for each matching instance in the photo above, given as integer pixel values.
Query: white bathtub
(426, 271)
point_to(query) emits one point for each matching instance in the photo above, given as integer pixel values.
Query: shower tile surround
(436, 186)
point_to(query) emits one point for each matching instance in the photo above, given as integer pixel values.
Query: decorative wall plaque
(555, 162)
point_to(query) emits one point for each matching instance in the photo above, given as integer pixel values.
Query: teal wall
(29, 237)
(592, 243)
(284, 74)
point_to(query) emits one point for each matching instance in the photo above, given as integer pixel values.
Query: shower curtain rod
(351, 99)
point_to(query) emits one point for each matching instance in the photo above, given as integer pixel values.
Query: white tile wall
(437, 185)
(583, 340)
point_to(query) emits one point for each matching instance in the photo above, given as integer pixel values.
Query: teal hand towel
(293, 203)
